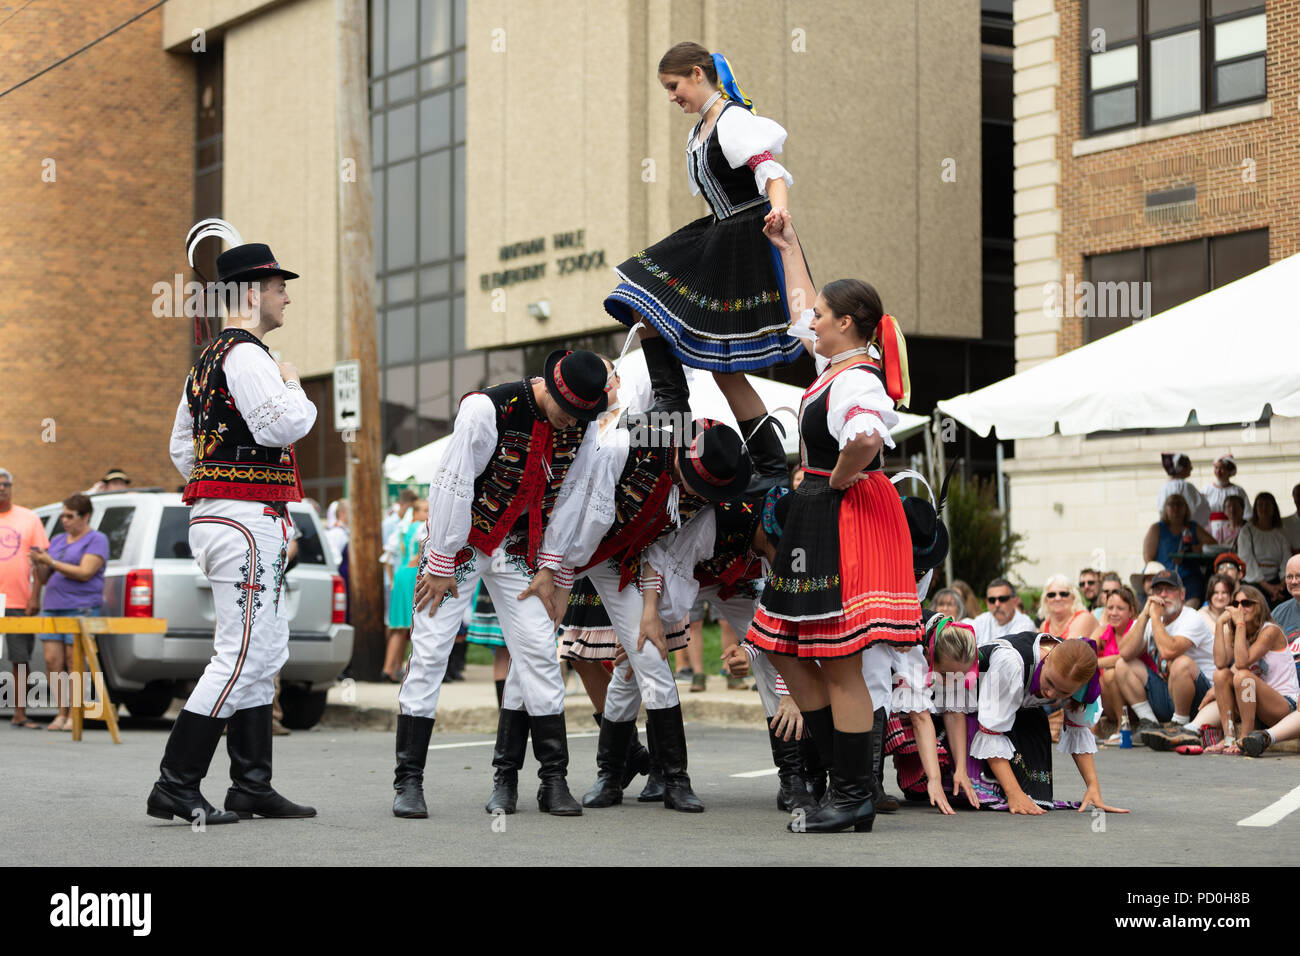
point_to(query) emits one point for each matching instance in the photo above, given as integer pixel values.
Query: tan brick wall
(1102, 195)
(79, 255)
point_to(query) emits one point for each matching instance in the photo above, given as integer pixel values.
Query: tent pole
(935, 452)
(1002, 500)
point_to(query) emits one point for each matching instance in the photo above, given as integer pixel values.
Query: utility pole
(356, 270)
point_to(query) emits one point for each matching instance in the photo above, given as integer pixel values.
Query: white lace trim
(454, 484)
(267, 414)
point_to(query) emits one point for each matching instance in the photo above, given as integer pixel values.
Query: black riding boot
(884, 802)
(816, 749)
(638, 758)
(248, 741)
(611, 763)
(667, 377)
(766, 452)
(551, 748)
(794, 792)
(508, 758)
(653, 792)
(185, 762)
(412, 750)
(670, 738)
(848, 803)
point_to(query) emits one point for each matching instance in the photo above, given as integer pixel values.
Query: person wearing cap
(1166, 663)
(238, 417)
(1141, 581)
(1230, 566)
(1225, 468)
(1179, 468)
(516, 454)
(842, 580)
(650, 483)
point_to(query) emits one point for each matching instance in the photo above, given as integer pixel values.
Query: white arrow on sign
(347, 396)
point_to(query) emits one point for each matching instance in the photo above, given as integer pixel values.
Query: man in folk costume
(233, 436)
(493, 515)
(646, 482)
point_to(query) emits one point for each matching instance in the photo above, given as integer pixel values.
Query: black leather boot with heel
(551, 748)
(408, 780)
(508, 759)
(848, 802)
(185, 762)
(248, 741)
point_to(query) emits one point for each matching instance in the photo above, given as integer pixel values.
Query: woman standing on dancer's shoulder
(842, 579)
(710, 295)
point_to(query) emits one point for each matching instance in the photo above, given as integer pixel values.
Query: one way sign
(347, 396)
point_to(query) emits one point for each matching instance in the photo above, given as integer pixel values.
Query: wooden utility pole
(356, 271)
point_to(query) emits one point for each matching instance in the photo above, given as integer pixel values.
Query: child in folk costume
(232, 439)
(710, 295)
(842, 579)
(514, 458)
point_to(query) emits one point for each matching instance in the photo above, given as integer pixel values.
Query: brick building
(96, 186)
(1158, 146)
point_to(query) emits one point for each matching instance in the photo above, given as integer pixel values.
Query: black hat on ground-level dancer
(714, 460)
(577, 382)
(253, 260)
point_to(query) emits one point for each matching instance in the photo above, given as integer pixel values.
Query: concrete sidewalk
(470, 706)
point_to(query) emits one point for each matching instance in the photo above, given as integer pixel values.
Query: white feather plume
(211, 227)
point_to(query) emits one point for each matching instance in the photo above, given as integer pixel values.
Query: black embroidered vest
(228, 461)
(733, 561)
(640, 502)
(727, 190)
(525, 472)
(819, 449)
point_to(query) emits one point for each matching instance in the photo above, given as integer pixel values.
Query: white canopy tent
(707, 401)
(1222, 356)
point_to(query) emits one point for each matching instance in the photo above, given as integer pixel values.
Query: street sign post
(347, 396)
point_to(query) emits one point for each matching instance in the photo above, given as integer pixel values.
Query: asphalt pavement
(66, 803)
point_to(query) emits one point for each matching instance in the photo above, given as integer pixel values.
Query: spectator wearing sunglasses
(1003, 616)
(1166, 659)
(1090, 588)
(1062, 610)
(1111, 583)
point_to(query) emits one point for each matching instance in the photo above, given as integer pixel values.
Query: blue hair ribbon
(730, 88)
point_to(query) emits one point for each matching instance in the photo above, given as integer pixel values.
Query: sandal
(26, 723)
(56, 723)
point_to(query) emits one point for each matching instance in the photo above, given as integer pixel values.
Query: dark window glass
(1179, 272)
(401, 34)
(1118, 18)
(435, 392)
(173, 534)
(401, 216)
(435, 331)
(1238, 255)
(1116, 280)
(310, 550)
(1243, 80)
(1221, 8)
(995, 89)
(1168, 14)
(436, 203)
(1114, 108)
(114, 525)
(400, 340)
(997, 154)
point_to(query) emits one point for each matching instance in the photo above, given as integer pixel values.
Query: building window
(1129, 285)
(1150, 61)
(417, 107)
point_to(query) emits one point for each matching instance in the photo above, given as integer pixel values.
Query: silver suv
(151, 573)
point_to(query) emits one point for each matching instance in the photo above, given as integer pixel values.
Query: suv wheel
(302, 708)
(153, 701)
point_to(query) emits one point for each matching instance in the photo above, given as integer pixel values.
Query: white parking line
(770, 771)
(1274, 811)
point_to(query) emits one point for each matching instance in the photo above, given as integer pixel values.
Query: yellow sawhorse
(85, 652)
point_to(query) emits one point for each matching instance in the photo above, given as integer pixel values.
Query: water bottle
(1125, 731)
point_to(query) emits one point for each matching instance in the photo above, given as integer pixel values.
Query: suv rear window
(114, 525)
(174, 534)
(310, 549)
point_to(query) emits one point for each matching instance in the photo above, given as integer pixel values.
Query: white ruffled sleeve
(1076, 733)
(752, 140)
(181, 445)
(674, 558)
(858, 405)
(1001, 693)
(451, 493)
(910, 695)
(278, 413)
(566, 516)
(597, 496)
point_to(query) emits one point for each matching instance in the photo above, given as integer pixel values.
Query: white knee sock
(1144, 711)
(1180, 719)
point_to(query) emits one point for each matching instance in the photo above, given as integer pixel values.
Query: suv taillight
(139, 594)
(340, 602)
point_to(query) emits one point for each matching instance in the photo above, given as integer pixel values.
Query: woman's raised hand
(779, 229)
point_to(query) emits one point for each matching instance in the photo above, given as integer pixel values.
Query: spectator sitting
(1110, 583)
(1121, 609)
(20, 531)
(1178, 466)
(1291, 524)
(1217, 491)
(1230, 566)
(1090, 588)
(73, 573)
(1062, 612)
(1264, 548)
(1286, 616)
(1141, 582)
(1218, 595)
(1003, 617)
(1166, 661)
(1175, 533)
(1227, 530)
(968, 598)
(947, 601)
